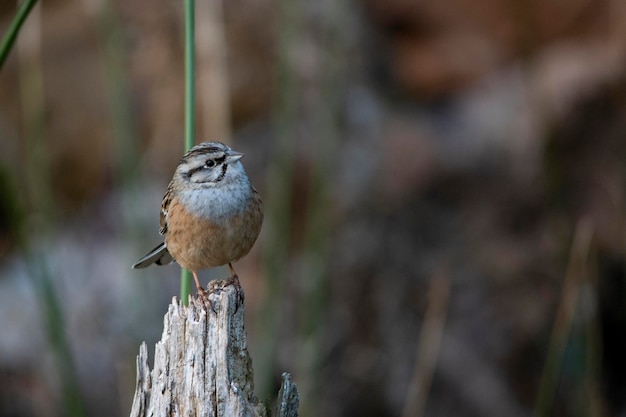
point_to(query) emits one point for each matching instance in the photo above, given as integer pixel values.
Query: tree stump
(202, 366)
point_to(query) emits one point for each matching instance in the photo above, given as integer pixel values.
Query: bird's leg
(201, 290)
(233, 274)
(234, 280)
(202, 293)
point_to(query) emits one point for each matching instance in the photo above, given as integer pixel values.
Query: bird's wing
(165, 206)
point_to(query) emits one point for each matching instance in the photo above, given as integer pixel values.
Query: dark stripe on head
(200, 151)
(192, 171)
(205, 148)
(223, 173)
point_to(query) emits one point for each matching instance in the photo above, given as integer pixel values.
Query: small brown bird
(210, 215)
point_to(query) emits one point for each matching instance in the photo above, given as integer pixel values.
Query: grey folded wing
(158, 255)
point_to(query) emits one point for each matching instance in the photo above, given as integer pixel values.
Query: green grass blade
(190, 110)
(9, 38)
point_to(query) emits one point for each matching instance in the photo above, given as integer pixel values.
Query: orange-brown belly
(197, 243)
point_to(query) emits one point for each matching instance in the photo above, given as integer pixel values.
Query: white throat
(222, 200)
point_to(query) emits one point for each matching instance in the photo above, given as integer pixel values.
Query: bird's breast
(203, 232)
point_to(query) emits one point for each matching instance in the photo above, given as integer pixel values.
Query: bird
(211, 215)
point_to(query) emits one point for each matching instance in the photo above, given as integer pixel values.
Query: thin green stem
(279, 194)
(320, 212)
(9, 38)
(37, 188)
(574, 277)
(190, 110)
(190, 75)
(55, 325)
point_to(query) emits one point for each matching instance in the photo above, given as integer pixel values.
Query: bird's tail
(158, 255)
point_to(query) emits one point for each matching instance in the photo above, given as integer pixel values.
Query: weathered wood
(288, 398)
(202, 366)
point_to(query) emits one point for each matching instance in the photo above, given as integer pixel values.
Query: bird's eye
(210, 163)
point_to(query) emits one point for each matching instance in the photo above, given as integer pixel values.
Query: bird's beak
(233, 156)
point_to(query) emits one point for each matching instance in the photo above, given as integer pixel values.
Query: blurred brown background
(443, 186)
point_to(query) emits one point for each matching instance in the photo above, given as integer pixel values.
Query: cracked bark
(201, 364)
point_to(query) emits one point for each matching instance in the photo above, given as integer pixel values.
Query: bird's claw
(203, 295)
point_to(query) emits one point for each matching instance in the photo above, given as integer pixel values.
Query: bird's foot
(203, 295)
